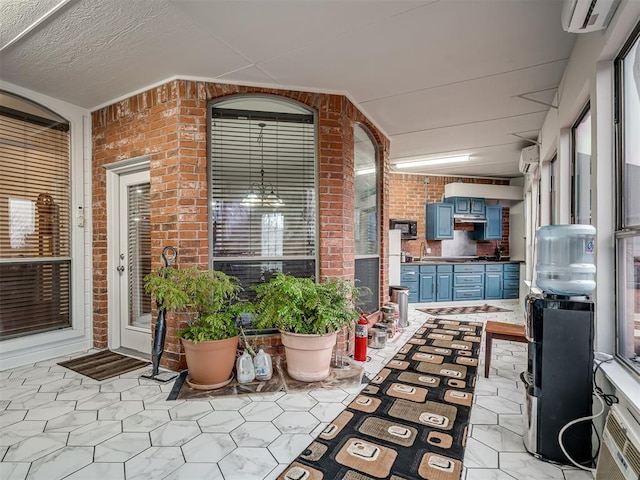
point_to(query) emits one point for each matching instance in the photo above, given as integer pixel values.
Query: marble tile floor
(55, 423)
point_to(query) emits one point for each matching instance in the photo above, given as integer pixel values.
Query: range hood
(468, 218)
(502, 194)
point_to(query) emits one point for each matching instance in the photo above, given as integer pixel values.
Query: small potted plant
(308, 315)
(210, 339)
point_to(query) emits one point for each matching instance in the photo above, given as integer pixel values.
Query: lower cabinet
(410, 277)
(468, 281)
(444, 283)
(436, 283)
(492, 282)
(427, 283)
(511, 280)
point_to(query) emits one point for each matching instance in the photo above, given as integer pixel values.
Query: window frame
(574, 165)
(261, 99)
(622, 231)
(375, 295)
(553, 191)
(54, 270)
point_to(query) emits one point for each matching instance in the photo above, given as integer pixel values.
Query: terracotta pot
(308, 356)
(211, 363)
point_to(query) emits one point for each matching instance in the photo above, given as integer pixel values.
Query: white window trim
(114, 170)
(42, 346)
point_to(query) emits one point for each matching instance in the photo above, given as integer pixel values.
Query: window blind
(263, 185)
(35, 262)
(139, 253)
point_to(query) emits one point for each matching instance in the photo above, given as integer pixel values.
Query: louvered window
(366, 225)
(35, 253)
(263, 189)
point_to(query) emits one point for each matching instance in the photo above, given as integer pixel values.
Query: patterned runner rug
(463, 310)
(411, 421)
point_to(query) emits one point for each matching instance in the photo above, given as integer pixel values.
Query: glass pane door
(134, 261)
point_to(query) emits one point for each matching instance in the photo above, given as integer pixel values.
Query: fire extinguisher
(360, 351)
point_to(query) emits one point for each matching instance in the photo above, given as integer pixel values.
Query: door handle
(120, 268)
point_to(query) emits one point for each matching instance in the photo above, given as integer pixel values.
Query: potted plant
(308, 315)
(210, 339)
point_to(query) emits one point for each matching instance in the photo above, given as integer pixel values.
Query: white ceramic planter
(308, 356)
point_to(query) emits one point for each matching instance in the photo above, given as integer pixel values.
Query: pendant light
(263, 194)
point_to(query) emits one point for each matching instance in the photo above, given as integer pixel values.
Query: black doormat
(349, 375)
(463, 310)
(411, 421)
(103, 365)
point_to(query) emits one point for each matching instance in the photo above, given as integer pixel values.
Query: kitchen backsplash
(462, 245)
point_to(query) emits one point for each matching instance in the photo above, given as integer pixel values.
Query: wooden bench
(500, 331)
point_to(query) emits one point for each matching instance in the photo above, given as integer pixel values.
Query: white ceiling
(438, 77)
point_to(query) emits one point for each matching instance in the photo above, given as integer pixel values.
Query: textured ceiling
(438, 77)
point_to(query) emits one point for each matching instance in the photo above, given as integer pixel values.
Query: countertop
(449, 260)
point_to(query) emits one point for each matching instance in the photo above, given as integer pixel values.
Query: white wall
(33, 348)
(588, 78)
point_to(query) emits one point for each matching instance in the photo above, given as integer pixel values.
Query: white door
(134, 261)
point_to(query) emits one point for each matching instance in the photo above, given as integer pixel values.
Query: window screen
(35, 253)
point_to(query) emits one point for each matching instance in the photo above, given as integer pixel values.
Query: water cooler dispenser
(560, 330)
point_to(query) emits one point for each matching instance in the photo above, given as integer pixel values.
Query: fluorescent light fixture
(431, 161)
(366, 171)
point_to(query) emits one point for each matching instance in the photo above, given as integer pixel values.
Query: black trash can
(400, 295)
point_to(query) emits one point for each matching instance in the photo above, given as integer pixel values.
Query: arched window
(262, 185)
(35, 212)
(366, 224)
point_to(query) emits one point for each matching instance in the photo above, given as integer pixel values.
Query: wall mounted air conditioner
(619, 457)
(529, 159)
(582, 16)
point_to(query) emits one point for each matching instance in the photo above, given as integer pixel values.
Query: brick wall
(412, 192)
(169, 123)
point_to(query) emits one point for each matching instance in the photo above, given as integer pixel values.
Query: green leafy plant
(211, 296)
(300, 305)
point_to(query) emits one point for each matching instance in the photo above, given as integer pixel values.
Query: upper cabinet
(439, 221)
(492, 230)
(466, 205)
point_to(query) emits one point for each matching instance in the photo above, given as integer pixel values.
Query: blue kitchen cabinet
(476, 206)
(466, 205)
(493, 282)
(464, 281)
(444, 283)
(468, 282)
(439, 221)
(427, 283)
(410, 278)
(492, 230)
(511, 280)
